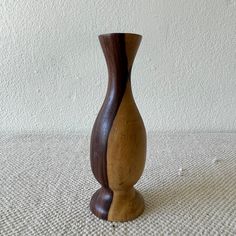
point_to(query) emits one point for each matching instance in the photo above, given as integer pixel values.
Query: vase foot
(100, 203)
(117, 205)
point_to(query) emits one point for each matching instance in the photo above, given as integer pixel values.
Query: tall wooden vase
(118, 140)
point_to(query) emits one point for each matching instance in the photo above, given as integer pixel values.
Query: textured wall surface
(53, 75)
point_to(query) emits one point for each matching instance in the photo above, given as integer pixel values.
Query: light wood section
(126, 205)
(126, 155)
(126, 149)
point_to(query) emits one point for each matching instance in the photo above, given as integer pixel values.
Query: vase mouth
(127, 34)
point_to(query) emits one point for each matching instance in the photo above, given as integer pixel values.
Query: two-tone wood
(118, 140)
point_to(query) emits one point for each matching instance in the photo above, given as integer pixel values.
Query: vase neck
(119, 51)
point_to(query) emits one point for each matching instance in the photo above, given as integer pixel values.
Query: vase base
(117, 206)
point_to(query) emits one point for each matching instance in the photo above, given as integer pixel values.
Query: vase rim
(110, 34)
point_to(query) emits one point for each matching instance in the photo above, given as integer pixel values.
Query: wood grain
(100, 202)
(126, 145)
(126, 205)
(125, 160)
(118, 140)
(113, 47)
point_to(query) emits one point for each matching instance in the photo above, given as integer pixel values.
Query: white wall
(53, 75)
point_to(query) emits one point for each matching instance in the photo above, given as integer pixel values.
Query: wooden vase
(118, 140)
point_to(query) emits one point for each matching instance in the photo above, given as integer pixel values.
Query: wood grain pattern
(114, 50)
(125, 162)
(126, 205)
(118, 140)
(126, 145)
(100, 202)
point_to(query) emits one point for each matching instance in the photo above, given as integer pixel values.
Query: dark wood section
(100, 203)
(114, 50)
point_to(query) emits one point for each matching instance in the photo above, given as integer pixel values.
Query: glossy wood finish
(118, 140)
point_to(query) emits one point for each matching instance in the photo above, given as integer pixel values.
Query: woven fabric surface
(46, 184)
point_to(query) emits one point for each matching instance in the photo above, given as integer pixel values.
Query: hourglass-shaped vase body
(118, 140)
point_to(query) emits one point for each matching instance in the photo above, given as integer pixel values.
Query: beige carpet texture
(189, 186)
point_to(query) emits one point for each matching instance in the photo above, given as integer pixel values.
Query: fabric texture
(189, 186)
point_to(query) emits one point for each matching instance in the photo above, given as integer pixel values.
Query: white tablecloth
(46, 184)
